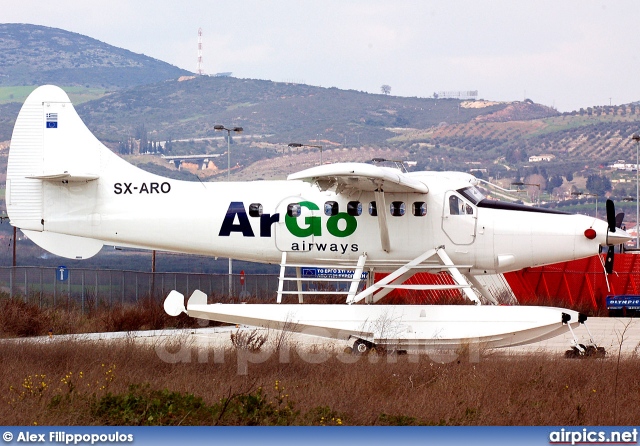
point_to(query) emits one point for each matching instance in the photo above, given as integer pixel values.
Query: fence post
(82, 291)
(68, 288)
(96, 273)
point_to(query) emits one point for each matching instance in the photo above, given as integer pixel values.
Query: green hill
(189, 109)
(36, 55)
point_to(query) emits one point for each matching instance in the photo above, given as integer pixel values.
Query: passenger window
(294, 210)
(397, 208)
(330, 208)
(373, 209)
(354, 208)
(419, 208)
(255, 209)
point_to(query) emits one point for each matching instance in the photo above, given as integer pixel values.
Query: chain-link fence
(89, 288)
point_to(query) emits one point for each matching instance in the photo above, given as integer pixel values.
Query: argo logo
(313, 224)
(339, 225)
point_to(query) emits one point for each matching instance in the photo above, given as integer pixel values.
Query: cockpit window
(454, 205)
(458, 206)
(472, 194)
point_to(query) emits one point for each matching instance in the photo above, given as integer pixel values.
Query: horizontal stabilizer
(63, 245)
(65, 176)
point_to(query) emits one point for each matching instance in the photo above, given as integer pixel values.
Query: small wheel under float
(585, 351)
(362, 347)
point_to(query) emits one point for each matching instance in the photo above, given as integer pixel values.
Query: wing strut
(457, 276)
(381, 207)
(395, 279)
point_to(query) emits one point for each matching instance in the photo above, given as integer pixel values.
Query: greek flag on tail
(52, 121)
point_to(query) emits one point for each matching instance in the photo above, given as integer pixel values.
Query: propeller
(611, 215)
(619, 219)
(614, 221)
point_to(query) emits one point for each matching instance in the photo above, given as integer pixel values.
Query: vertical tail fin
(49, 142)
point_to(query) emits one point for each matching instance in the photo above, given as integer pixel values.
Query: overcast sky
(567, 54)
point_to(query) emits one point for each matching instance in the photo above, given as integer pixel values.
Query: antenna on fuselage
(399, 164)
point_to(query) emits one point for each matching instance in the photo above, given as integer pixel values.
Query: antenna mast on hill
(199, 67)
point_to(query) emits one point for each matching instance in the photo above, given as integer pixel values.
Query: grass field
(78, 95)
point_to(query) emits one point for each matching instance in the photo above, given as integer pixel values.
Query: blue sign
(628, 301)
(62, 274)
(331, 273)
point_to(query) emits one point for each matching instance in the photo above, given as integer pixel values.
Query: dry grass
(89, 383)
(19, 319)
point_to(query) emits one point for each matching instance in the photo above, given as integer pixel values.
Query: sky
(566, 54)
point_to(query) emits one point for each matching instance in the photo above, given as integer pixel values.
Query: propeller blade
(611, 215)
(608, 263)
(619, 219)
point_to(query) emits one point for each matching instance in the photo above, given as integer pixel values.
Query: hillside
(596, 138)
(190, 108)
(36, 55)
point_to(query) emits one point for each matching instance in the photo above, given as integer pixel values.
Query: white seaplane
(72, 195)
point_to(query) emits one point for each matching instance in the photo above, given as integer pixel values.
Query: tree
(554, 181)
(597, 184)
(385, 89)
(534, 191)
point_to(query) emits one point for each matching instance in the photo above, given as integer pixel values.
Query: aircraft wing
(359, 176)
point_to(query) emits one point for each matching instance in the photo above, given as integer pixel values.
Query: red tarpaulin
(578, 285)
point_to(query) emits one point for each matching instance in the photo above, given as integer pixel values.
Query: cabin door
(459, 219)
